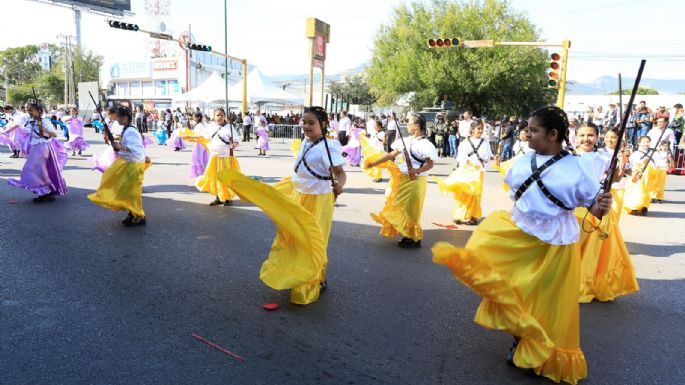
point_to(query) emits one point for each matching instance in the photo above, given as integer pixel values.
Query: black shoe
(128, 218)
(652, 201)
(44, 198)
(643, 212)
(135, 222)
(216, 202)
(471, 222)
(228, 203)
(408, 243)
(659, 201)
(324, 285)
(510, 354)
(79, 153)
(378, 180)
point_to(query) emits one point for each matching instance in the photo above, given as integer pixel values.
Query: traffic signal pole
(459, 43)
(166, 36)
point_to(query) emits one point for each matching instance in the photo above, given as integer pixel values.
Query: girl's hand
(116, 146)
(337, 189)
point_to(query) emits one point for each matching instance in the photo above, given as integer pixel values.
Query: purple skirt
(104, 160)
(77, 143)
(176, 142)
(198, 163)
(42, 172)
(147, 141)
(263, 143)
(354, 155)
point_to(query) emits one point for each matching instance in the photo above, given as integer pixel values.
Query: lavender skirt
(77, 143)
(42, 172)
(104, 160)
(354, 155)
(198, 163)
(263, 143)
(176, 142)
(147, 141)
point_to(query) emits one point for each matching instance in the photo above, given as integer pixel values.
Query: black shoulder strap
(475, 150)
(535, 177)
(220, 138)
(416, 158)
(303, 162)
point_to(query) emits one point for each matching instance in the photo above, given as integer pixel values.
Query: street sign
(479, 43)
(318, 63)
(161, 36)
(186, 38)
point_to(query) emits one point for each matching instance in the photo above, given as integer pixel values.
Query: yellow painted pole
(322, 85)
(562, 82)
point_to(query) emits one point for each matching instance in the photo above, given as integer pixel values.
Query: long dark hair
(321, 116)
(553, 118)
(125, 111)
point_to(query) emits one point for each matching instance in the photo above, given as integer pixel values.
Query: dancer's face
(542, 139)
(33, 112)
(220, 118)
(477, 131)
(311, 126)
(610, 140)
(586, 139)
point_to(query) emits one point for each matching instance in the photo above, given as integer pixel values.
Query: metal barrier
(277, 131)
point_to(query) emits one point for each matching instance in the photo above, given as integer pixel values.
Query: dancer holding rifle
(121, 186)
(401, 214)
(301, 207)
(42, 172)
(525, 263)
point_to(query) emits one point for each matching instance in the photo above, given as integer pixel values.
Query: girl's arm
(602, 205)
(389, 156)
(341, 179)
(426, 166)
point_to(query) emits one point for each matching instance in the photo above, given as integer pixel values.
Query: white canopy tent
(259, 91)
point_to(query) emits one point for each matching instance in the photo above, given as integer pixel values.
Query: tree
(640, 91)
(498, 80)
(356, 87)
(19, 65)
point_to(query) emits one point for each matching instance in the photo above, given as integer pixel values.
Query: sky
(607, 36)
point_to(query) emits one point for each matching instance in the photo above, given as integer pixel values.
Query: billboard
(117, 7)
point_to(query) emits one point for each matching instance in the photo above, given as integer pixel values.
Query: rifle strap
(535, 177)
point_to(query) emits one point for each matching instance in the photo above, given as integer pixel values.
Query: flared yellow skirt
(401, 214)
(466, 184)
(121, 187)
(637, 195)
(372, 154)
(297, 259)
(209, 181)
(529, 289)
(503, 168)
(659, 185)
(606, 269)
(295, 147)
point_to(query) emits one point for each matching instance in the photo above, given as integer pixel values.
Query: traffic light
(445, 43)
(553, 73)
(200, 47)
(122, 25)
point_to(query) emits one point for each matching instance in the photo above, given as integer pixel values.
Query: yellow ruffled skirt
(529, 289)
(295, 147)
(466, 184)
(371, 154)
(121, 187)
(209, 181)
(503, 168)
(401, 214)
(606, 269)
(659, 185)
(637, 195)
(297, 259)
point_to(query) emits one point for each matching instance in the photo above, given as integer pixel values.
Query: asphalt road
(85, 301)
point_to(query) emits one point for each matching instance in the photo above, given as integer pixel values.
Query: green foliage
(492, 81)
(18, 95)
(356, 86)
(19, 65)
(640, 91)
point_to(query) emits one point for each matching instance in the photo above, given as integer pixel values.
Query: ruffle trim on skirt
(77, 144)
(395, 222)
(502, 309)
(39, 190)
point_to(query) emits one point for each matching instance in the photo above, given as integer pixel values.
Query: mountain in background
(606, 84)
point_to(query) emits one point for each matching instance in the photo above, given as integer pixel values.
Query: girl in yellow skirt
(302, 209)
(662, 162)
(223, 139)
(121, 186)
(466, 182)
(525, 262)
(641, 169)
(606, 270)
(401, 214)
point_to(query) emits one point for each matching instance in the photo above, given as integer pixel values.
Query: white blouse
(660, 159)
(521, 148)
(133, 142)
(571, 180)
(484, 152)
(217, 146)
(317, 160)
(422, 148)
(31, 126)
(638, 157)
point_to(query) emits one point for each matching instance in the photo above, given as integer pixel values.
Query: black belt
(536, 178)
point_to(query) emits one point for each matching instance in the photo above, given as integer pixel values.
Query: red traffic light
(447, 43)
(440, 42)
(554, 65)
(431, 42)
(555, 56)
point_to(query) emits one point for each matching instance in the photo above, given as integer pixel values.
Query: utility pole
(68, 67)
